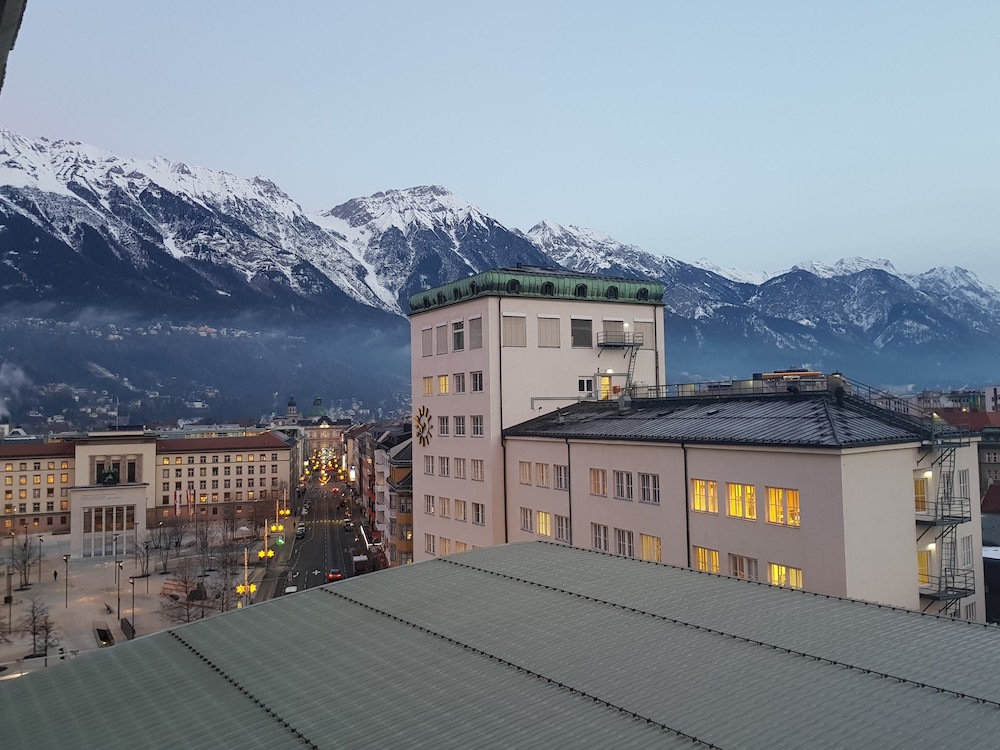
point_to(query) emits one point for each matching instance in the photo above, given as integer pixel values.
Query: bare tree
(205, 538)
(160, 537)
(141, 551)
(229, 558)
(37, 623)
(178, 528)
(183, 596)
(24, 561)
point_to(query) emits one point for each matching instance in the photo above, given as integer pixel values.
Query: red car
(334, 575)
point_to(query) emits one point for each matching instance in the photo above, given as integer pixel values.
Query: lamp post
(131, 582)
(118, 585)
(39, 558)
(146, 558)
(10, 599)
(114, 544)
(66, 579)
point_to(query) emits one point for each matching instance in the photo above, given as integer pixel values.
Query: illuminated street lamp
(266, 553)
(246, 589)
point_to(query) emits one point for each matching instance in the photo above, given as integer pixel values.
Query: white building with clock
(496, 349)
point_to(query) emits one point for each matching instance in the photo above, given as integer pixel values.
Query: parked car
(291, 589)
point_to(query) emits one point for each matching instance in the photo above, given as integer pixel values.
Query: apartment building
(810, 489)
(106, 489)
(495, 349)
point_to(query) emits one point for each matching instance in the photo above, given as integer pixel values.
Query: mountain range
(88, 234)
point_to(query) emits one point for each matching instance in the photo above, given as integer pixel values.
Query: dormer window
(642, 295)
(514, 286)
(441, 298)
(612, 292)
(456, 293)
(581, 290)
(549, 289)
(473, 288)
(427, 301)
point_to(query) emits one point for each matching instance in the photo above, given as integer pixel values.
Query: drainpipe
(503, 443)
(687, 506)
(569, 491)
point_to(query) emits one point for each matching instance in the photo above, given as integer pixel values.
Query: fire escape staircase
(629, 343)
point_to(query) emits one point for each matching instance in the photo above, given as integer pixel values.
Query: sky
(754, 134)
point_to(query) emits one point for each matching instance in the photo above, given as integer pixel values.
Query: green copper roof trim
(541, 283)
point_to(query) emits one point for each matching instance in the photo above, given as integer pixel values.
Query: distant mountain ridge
(81, 229)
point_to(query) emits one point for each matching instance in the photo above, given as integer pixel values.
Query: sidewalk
(78, 603)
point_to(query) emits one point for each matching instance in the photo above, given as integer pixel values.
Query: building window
(561, 477)
(441, 334)
(599, 482)
(429, 544)
(443, 507)
(784, 575)
(544, 523)
(562, 528)
(427, 342)
(429, 504)
(599, 532)
(479, 514)
(477, 469)
(923, 567)
(542, 475)
(458, 336)
(743, 567)
(459, 378)
(585, 385)
(644, 331)
(649, 488)
(580, 290)
(477, 425)
(706, 560)
(443, 426)
(651, 548)
(920, 495)
(548, 332)
(476, 333)
(526, 519)
(783, 506)
(705, 497)
(445, 546)
(442, 384)
(623, 485)
(429, 465)
(963, 484)
(459, 468)
(581, 333)
(477, 381)
(623, 543)
(428, 386)
(966, 542)
(459, 426)
(460, 510)
(524, 472)
(514, 331)
(970, 611)
(444, 466)
(743, 501)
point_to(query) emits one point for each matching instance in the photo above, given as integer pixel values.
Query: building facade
(809, 490)
(495, 349)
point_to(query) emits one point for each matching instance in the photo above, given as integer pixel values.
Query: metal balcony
(947, 512)
(618, 340)
(954, 584)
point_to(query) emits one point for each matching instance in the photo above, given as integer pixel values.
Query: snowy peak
(593, 251)
(846, 266)
(424, 207)
(738, 275)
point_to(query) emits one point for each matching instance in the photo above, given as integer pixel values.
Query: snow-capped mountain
(424, 236)
(81, 228)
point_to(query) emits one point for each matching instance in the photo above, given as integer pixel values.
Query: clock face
(422, 420)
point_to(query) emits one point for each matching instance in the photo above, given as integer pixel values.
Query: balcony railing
(618, 339)
(944, 512)
(954, 584)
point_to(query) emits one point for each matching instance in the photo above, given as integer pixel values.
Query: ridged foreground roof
(810, 419)
(533, 281)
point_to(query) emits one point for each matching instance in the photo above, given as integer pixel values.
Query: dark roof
(812, 419)
(974, 421)
(266, 440)
(991, 500)
(27, 450)
(552, 646)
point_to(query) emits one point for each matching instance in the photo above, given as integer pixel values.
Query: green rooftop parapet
(534, 281)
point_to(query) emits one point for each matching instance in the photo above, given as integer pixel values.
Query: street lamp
(146, 559)
(66, 579)
(131, 582)
(39, 558)
(114, 544)
(118, 585)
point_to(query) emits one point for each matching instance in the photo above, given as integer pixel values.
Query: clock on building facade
(423, 422)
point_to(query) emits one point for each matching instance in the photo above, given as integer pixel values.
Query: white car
(291, 589)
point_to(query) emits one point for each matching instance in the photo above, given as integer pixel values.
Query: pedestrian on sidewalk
(55, 575)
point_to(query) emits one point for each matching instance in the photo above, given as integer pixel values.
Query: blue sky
(756, 134)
